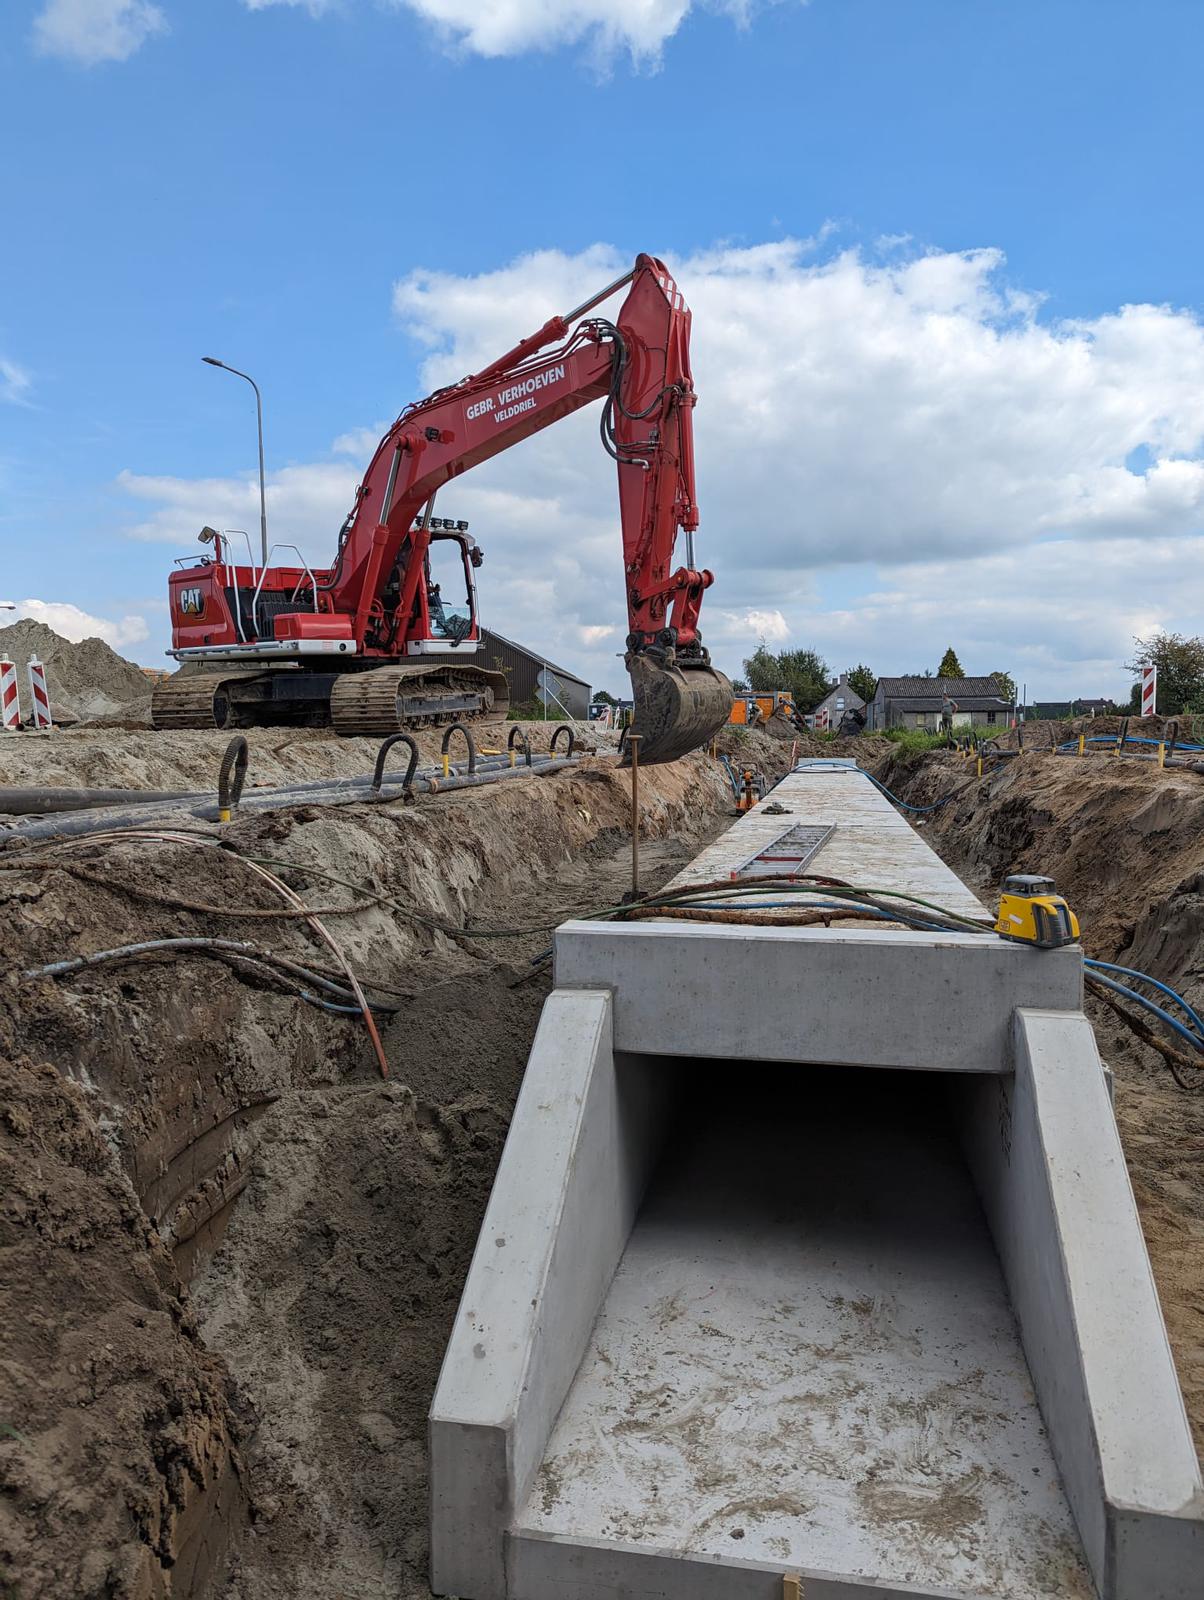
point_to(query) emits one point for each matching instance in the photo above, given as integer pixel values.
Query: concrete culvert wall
(1124, 843)
(174, 1121)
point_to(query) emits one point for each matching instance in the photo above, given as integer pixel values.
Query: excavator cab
(447, 598)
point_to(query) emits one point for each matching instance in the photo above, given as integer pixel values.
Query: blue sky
(909, 229)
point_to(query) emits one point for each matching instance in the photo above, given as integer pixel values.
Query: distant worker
(948, 708)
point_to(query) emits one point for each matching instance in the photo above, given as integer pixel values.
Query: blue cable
(731, 776)
(894, 798)
(1129, 972)
(1164, 1016)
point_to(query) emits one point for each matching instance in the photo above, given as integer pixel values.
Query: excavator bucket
(677, 708)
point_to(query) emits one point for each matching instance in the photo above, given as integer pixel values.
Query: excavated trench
(231, 1251)
(229, 1247)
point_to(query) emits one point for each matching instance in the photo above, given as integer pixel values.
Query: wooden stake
(792, 1586)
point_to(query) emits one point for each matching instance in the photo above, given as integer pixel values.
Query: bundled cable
(1111, 984)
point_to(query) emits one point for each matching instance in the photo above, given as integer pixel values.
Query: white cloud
(754, 626)
(605, 28)
(74, 624)
(88, 32)
(305, 505)
(14, 382)
(910, 436)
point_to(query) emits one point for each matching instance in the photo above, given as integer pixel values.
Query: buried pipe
(171, 814)
(41, 802)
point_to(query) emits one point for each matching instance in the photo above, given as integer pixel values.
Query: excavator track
(386, 699)
(197, 700)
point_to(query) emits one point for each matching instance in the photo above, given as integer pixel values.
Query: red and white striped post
(10, 699)
(821, 720)
(1149, 690)
(38, 694)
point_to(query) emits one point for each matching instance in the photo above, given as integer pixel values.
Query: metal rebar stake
(633, 744)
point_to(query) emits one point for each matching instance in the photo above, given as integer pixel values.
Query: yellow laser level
(1032, 912)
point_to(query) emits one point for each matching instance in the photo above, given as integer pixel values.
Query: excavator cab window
(450, 589)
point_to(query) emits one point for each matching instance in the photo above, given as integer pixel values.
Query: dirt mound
(1042, 735)
(86, 680)
(118, 1474)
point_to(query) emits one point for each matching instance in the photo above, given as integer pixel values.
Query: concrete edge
(480, 1404)
(1046, 1155)
(544, 1566)
(913, 992)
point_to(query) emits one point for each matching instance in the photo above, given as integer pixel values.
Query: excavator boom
(374, 603)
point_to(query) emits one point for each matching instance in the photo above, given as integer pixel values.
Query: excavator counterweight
(372, 644)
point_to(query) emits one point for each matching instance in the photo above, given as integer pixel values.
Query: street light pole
(212, 361)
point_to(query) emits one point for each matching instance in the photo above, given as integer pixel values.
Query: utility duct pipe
(348, 792)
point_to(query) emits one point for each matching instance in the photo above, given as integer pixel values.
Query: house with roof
(917, 702)
(838, 700)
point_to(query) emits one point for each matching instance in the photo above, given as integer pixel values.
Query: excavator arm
(639, 367)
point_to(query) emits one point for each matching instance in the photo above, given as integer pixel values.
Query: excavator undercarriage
(374, 701)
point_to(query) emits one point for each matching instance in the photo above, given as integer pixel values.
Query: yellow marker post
(980, 766)
(513, 756)
(1161, 753)
(446, 766)
(1082, 744)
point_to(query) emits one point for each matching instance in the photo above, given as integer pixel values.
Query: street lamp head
(213, 361)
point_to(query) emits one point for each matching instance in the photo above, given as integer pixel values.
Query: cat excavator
(369, 646)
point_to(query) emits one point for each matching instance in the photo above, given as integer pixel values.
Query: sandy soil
(118, 758)
(175, 1069)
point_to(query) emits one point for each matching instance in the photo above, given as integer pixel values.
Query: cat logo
(192, 603)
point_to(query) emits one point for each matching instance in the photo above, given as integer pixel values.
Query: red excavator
(369, 645)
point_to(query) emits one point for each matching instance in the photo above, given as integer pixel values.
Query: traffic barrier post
(38, 694)
(10, 699)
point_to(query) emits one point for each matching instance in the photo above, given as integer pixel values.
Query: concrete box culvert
(886, 1324)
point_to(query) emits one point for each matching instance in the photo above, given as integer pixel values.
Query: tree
(1180, 664)
(950, 666)
(739, 686)
(803, 672)
(1007, 686)
(863, 682)
(601, 698)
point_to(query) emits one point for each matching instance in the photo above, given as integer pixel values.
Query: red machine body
(376, 604)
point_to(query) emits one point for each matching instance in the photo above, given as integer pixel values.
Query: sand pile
(86, 680)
